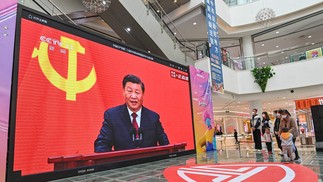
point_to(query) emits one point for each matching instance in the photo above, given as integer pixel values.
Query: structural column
(247, 52)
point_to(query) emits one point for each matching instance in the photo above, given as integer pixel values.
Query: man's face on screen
(133, 95)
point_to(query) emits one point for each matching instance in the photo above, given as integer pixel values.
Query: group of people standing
(285, 130)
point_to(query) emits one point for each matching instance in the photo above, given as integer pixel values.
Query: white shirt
(138, 118)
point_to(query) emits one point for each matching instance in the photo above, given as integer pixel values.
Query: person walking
(235, 134)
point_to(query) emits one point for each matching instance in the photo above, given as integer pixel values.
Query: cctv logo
(321, 101)
(240, 172)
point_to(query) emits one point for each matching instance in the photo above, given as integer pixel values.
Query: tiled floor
(153, 171)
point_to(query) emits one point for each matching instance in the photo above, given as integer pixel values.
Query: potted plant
(262, 75)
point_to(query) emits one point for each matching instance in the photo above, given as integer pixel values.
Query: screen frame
(95, 37)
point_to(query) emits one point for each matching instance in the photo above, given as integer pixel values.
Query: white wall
(288, 76)
(245, 14)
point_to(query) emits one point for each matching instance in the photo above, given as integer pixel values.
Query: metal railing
(283, 57)
(52, 9)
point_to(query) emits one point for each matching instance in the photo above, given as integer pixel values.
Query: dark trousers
(269, 146)
(236, 139)
(296, 152)
(279, 142)
(257, 139)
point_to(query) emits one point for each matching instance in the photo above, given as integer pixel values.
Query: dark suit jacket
(116, 129)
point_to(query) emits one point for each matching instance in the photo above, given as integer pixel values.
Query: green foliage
(262, 75)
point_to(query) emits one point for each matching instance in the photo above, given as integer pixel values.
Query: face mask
(284, 116)
(263, 115)
(253, 113)
(278, 114)
(275, 114)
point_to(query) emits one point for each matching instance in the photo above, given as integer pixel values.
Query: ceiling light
(286, 57)
(263, 63)
(282, 52)
(194, 23)
(262, 45)
(264, 16)
(96, 6)
(309, 36)
(313, 43)
(148, 51)
(277, 32)
(174, 33)
(277, 46)
(175, 1)
(258, 58)
(128, 29)
(158, 11)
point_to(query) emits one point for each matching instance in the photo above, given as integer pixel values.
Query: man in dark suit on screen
(130, 125)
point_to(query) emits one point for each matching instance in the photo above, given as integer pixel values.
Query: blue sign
(215, 51)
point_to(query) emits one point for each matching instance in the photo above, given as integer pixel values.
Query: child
(268, 140)
(287, 144)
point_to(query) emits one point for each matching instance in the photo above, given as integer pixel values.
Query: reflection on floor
(153, 171)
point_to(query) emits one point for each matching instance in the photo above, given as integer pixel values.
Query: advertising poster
(204, 126)
(215, 51)
(7, 26)
(314, 53)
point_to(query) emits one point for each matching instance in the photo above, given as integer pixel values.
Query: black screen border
(24, 12)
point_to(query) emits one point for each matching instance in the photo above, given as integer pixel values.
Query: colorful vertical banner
(8, 10)
(215, 51)
(204, 127)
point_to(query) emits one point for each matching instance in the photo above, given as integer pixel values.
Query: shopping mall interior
(284, 35)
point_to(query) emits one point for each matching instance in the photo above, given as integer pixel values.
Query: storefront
(305, 120)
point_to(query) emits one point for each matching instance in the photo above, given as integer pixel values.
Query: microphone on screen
(140, 132)
(132, 133)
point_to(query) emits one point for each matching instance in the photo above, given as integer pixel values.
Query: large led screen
(67, 79)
